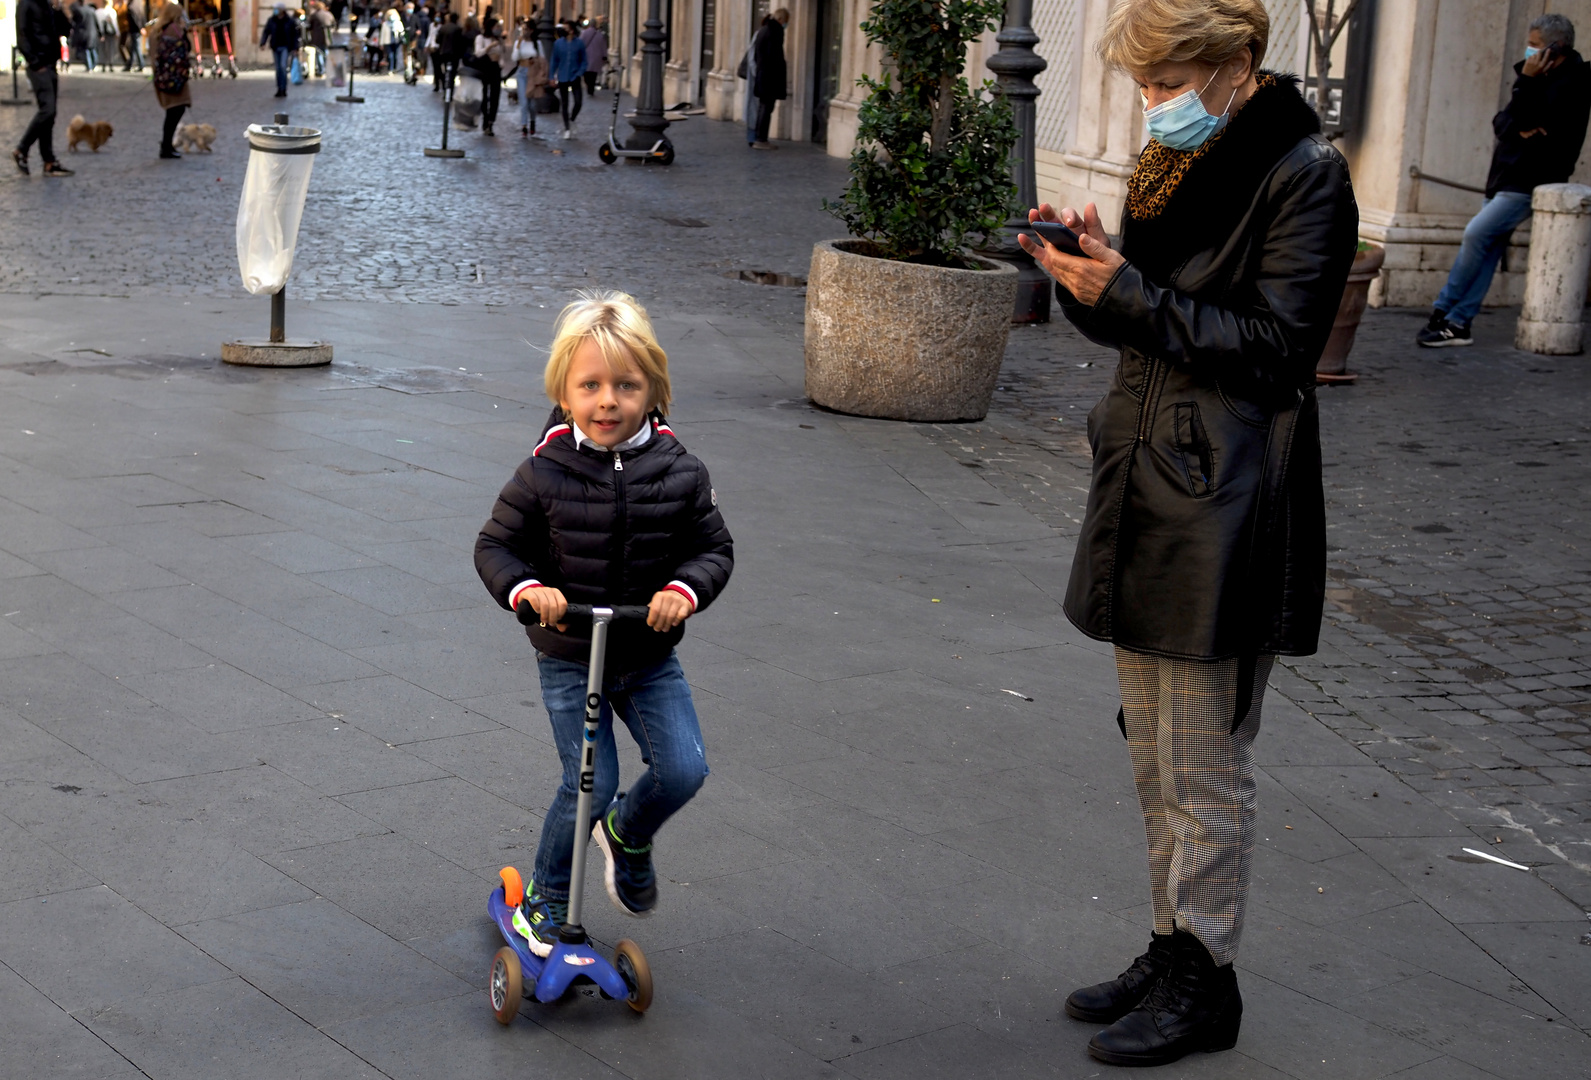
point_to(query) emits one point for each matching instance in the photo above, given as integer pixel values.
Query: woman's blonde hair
(621, 330)
(1142, 33)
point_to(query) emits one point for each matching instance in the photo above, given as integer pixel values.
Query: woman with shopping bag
(168, 37)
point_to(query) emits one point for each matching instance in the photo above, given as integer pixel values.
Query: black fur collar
(1219, 185)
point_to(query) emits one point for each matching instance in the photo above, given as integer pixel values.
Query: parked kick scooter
(628, 977)
(662, 151)
(226, 39)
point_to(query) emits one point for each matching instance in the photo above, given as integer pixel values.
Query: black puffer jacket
(1205, 534)
(607, 528)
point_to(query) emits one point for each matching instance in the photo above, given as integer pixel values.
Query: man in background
(1539, 133)
(770, 83)
(40, 27)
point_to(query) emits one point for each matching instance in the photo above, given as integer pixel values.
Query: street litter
(1495, 859)
(1015, 693)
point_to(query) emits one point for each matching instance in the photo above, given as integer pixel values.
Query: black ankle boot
(1195, 1007)
(1107, 1002)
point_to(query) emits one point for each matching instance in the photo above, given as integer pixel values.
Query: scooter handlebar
(527, 614)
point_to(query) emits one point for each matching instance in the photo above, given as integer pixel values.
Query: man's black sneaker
(21, 159)
(632, 885)
(55, 168)
(538, 919)
(1440, 334)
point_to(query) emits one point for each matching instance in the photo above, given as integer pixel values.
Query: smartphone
(1059, 236)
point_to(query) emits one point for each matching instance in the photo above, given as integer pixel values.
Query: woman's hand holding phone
(1085, 276)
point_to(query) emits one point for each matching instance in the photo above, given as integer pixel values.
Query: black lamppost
(648, 125)
(1014, 66)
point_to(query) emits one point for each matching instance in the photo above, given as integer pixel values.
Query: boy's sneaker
(632, 885)
(537, 919)
(1439, 333)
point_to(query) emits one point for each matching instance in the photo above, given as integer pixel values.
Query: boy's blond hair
(621, 330)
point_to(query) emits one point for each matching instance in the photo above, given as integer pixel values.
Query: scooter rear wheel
(506, 986)
(605, 152)
(667, 156)
(636, 972)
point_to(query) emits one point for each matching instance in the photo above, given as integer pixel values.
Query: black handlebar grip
(527, 614)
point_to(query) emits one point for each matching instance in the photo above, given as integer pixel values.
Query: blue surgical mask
(1529, 52)
(1183, 123)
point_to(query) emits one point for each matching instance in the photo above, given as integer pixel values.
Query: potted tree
(902, 321)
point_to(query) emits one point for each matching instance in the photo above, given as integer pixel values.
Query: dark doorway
(709, 39)
(826, 64)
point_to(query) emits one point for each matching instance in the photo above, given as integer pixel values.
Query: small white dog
(192, 138)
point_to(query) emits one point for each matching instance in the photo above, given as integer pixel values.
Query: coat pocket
(1193, 446)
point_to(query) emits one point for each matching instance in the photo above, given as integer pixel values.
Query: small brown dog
(195, 137)
(96, 134)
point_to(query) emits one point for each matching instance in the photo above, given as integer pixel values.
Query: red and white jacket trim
(519, 590)
(552, 433)
(684, 590)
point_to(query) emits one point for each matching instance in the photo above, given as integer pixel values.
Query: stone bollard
(1560, 260)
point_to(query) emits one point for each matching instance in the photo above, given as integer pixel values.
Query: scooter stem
(600, 618)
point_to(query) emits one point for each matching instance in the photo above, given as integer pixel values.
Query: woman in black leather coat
(1202, 554)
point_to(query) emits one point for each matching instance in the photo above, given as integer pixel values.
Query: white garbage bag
(467, 97)
(274, 190)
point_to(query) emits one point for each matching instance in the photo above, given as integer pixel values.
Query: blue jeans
(284, 60)
(395, 58)
(1485, 237)
(527, 111)
(655, 704)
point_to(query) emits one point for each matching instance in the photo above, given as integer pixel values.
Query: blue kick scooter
(572, 960)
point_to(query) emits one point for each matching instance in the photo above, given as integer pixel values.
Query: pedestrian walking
(1539, 135)
(321, 26)
(109, 27)
(530, 75)
(1202, 554)
(748, 71)
(337, 7)
(487, 62)
(449, 49)
(595, 39)
(170, 58)
(40, 26)
(567, 66)
(608, 509)
(133, 15)
(84, 40)
(391, 40)
(280, 34)
(770, 80)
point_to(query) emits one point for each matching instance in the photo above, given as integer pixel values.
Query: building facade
(1421, 79)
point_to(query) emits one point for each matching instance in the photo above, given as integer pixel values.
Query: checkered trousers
(1193, 764)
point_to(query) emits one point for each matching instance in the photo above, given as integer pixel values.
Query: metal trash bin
(281, 158)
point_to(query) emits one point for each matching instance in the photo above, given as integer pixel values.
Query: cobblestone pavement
(1457, 650)
(516, 221)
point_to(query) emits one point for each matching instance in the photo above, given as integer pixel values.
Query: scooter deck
(554, 975)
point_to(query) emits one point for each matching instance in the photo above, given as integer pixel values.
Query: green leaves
(932, 163)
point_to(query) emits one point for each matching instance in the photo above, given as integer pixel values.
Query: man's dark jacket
(450, 41)
(39, 30)
(1205, 534)
(771, 78)
(281, 32)
(607, 528)
(1559, 103)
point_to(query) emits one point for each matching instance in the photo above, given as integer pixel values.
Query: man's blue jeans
(655, 704)
(284, 61)
(1485, 237)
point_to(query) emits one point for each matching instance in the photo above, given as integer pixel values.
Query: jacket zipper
(620, 523)
(1143, 404)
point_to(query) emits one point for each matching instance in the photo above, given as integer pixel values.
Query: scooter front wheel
(506, 986)
(605, 152)
(632, 967)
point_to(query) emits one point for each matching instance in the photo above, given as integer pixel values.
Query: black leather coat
(1205, 531)
(607, 528)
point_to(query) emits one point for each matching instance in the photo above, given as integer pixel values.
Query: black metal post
(1014, 66)
(16, 97)
(447, 106)
(648, 125)
(279, 315)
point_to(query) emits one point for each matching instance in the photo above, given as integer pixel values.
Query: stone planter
(1333, 364)
(902, 341)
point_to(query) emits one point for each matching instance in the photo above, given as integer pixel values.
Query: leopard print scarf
(1160, 169)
